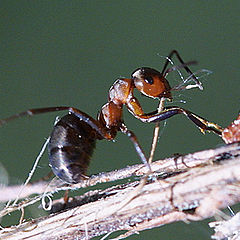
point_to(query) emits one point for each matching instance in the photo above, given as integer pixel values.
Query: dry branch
(227, 229)
(191, 187)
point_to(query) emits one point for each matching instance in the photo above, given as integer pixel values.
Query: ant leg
(31, 112)
(168, 112)
(136, 144)
(98, 127)
(101, 130)
(107, 135)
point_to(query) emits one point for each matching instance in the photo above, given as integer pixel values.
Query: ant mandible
(74, 136)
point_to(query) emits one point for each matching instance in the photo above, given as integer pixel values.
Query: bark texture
(182, 188)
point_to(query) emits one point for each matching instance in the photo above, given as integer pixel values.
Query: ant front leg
(135, 108)
(168, 112)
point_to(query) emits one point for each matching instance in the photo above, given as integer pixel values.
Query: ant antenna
(182, 65)
(181, 86)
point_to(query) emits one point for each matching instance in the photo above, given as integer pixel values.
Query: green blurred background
(56, 53)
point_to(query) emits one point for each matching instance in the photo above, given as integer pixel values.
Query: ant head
(151, 83)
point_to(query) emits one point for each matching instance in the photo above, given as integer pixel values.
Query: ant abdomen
(70, 148)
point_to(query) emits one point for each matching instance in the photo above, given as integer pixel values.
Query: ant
(74, 136)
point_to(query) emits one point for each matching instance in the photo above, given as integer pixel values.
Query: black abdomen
(70, 148)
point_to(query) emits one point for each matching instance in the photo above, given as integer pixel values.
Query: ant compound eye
(149, 80)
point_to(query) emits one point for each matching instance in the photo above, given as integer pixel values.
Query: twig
(227, 229)
(165, 166)
(156, 131)
(190, 187)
